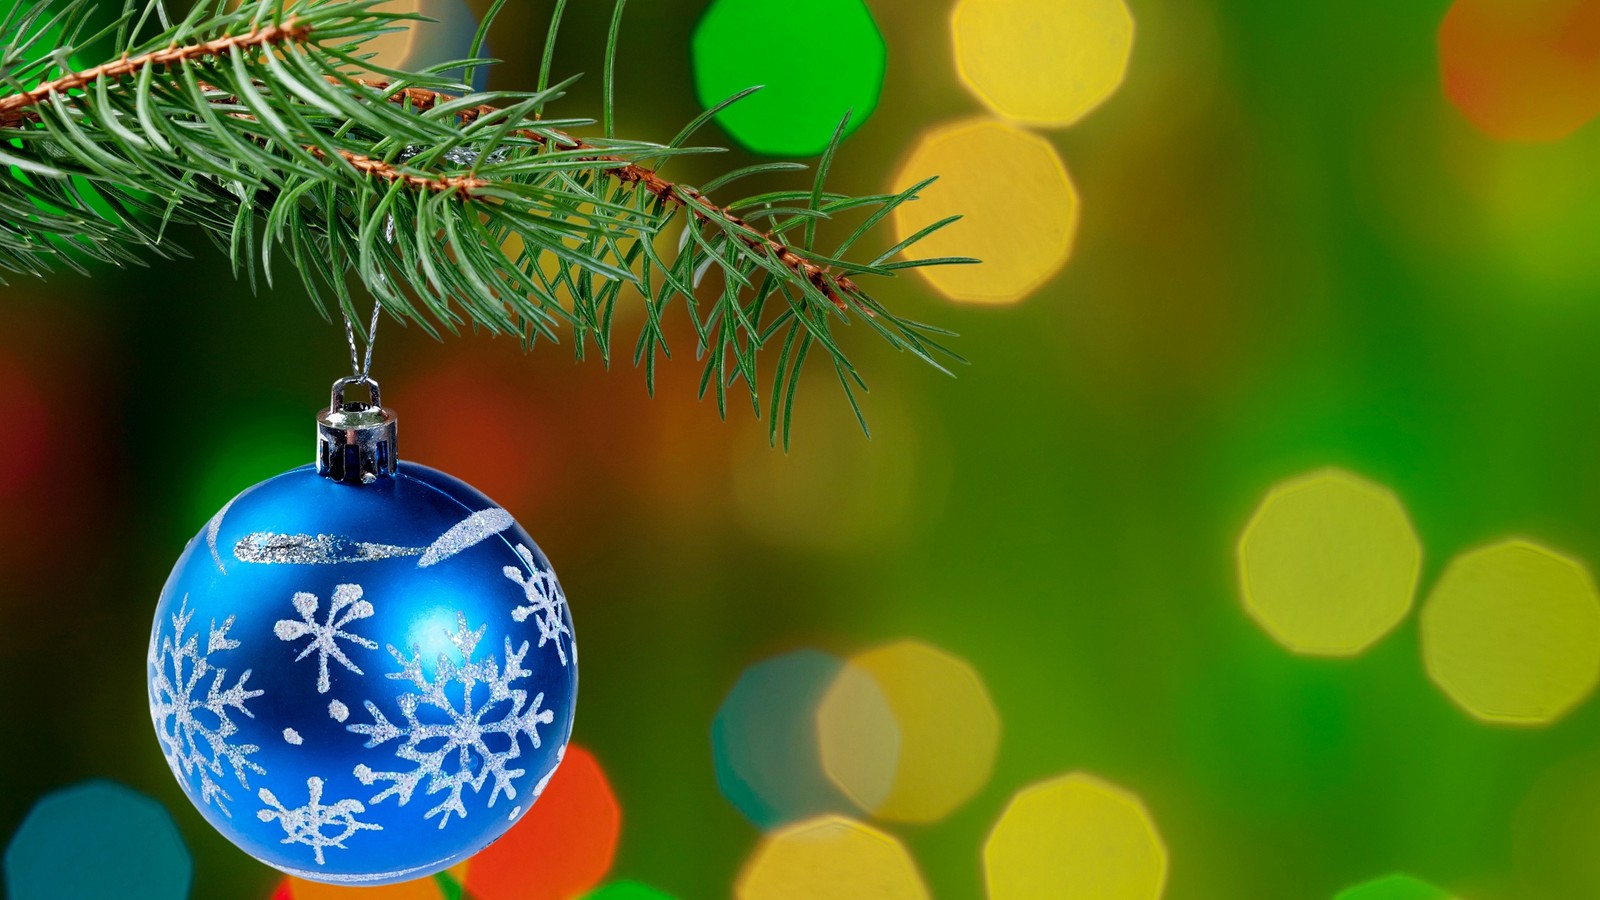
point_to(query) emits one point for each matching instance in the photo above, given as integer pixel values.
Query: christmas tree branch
(269, 127)
(14, 109)
(683, 197)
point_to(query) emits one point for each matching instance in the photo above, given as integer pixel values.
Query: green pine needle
(267, 125)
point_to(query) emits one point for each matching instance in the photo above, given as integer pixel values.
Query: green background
(1294, 253)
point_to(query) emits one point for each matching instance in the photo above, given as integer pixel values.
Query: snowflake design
(546, 602)
(325, 637)
(195, 728)
(308, 824)
(456, 754)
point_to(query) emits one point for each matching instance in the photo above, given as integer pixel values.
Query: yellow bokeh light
(1018, 205)
(831, 857)
(835, 493)
(1046, 62)
(1512, 633)
(1329, 563)
(859, 737)
(1075, 837)
(393, 49)
(908, 732)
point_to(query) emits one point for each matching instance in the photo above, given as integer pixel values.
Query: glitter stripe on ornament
(270, 548)
(476, 528)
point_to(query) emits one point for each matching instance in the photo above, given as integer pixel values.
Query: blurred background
(1248, 559)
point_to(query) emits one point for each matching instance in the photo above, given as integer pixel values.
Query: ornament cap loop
(356, 442)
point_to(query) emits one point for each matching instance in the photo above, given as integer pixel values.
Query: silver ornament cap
(356, 442)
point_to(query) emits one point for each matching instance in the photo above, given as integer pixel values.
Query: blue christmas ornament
(362, 671)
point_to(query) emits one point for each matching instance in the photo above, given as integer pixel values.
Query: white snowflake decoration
(325, 637)
(462, 757)
(308, 824)
(195, 729)
(546, 602)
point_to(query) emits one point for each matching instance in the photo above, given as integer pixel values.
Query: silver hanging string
(361, 363)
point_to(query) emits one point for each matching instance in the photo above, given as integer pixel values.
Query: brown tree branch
(14, 110)
(17, 110)
(702, 208)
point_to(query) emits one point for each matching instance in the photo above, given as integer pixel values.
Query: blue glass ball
(362, 684)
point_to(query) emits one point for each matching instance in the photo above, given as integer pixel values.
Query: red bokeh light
(562, 847)
(1527, 70)
(23, 414)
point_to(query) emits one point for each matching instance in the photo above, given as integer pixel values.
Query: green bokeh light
(816, 61)
(627, 890)
(1394, 887)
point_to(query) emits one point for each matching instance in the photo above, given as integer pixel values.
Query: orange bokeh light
(1527, 70)
(564, 844)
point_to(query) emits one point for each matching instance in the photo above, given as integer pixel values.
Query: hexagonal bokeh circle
(97, 839)
(572, 831)
(1515, 70)
(887, 737)
(1018, 207)
(1394, 887)
(1329, 563)
(834, 857)
(1075, 837)
(764, 740)
(745, 43)
(1511, 632)
(1044, 62)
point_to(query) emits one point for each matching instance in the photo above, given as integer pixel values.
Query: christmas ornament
(362, 671)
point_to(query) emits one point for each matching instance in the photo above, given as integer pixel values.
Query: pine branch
(270, 129)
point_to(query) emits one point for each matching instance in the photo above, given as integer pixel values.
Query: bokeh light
(421, 889)
(97, 839)
(835, 493)
(627, 890)
(445, 36)
(1394, 887)
(831, 857)
(26, 418)
(764, 740)
(1328, 564)
(1018, 205)
(908, 732)
(507, 454)
(253, 451)
(1075, 837)
(1555, 830)
(1512, 633)
(1042, 61)
(859, 737)
(815, 61)
(562, 847)
(1527, 70)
